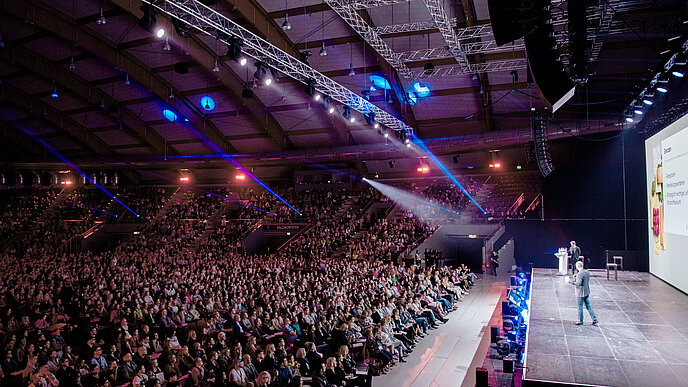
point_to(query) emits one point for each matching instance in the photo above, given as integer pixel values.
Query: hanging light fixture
(216, 67)
(166, 46)
(101, 19)
(126, 80)
(351, 70)
(72, 65)
(323, 50)
(286, 26)
(54, 94)
(171, 96)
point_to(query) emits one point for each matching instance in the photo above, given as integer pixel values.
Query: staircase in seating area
(180, 195)
(210, 227)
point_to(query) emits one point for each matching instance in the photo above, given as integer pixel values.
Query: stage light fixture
(127, 82)
(275, 74)
(678, 73)
(216, 67)
(261, 71)
(408, 145)
(638, 112)
(286, 25)
(351, 70)
(169, 115)
(412, 98)
(366, 94)
(234, 47)
(629, 119)
(180, 28)
(101, 18)
(310, 87)
(54, 94)
(317, 97)
(304, 55)
(166, 46)
(208, 103)
(647, 101)
(370, 118)
(72, 65)
(392, 164)
(406, 141)
(519, 167)
(323, 50)
(148, 20)
(662, 89)
(347, 114)
(514, 76)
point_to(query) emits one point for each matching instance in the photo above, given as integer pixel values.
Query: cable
(488, 106)
(588, 139)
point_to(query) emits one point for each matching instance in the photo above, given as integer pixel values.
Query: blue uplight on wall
(207, 103)
(379, 82)
(170, 115)
(422, 90)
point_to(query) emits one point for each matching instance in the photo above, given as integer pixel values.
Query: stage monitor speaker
(511, 19)
(494, 334)
(508, 365)
(481, 377)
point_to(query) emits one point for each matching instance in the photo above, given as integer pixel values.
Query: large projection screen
(666, 160)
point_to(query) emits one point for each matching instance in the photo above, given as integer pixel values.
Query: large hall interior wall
(583, 200)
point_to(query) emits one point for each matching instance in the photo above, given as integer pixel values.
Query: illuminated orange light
(420, 169)
(491, 165)
(240, 176)
(68, 182)
(498, 165)
(183, 179)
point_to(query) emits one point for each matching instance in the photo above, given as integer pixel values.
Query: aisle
(444, 356)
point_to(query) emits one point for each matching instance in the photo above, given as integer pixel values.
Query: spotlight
(169, 115)
(678, 73)
(127, 82)
(54, 94)
(327, 103)
(216, 67)
(366, 94)
(407, 141)
(208, 103)
(370, 118)
(72, 65)
(351, 70)
(408, 144)
(514, 76)
(647, 101)
(428, 68)
(310, 87)
(166, 46)
(286, 25)
(101, 19)
(268, 81)
(629, 119)
(662, 89)
(638, 112)
(234, 46)
(386, 135)
(260, 72)
(275, 74)
(323, 50)
(317, 96)
(304, 56)
(347, 114)
(376, 125)
(180, 28)
(148, 20)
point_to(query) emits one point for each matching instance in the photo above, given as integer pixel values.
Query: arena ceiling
(114, 78)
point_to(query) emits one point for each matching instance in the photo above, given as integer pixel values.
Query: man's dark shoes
(595, 322)
(578, 323)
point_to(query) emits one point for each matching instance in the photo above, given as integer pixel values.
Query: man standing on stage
(582, 284)
(574, 253)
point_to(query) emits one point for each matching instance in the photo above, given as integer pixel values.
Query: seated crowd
(147, 313)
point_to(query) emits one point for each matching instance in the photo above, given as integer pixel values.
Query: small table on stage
(563, 263)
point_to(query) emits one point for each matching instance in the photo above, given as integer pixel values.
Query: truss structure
(487, 67)
(485, 47)
(211, 23)
(352, 18)
(443, 23)
(363, 4)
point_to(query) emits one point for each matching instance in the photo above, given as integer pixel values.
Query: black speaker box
(508, 365)
(481, 377)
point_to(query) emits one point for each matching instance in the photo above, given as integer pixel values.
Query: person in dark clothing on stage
(574, 254)
(581, 282)
(494, 262)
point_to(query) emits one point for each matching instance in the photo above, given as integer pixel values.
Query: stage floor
(642, 338)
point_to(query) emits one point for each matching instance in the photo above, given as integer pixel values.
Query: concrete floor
(443, 358)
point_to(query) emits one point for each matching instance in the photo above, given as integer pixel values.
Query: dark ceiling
(114, 80)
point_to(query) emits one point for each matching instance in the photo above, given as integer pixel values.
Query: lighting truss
(408, 27)
(443, 23)
(485, 47)
(210, 22)
(602, 29)
(348, 13)
(487, 67)
(363, 4)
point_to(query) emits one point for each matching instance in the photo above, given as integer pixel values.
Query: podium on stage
(563, 256)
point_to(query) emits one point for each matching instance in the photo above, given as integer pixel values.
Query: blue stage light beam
(80, 204)
(231, 200)
(65, 160)
(416, 140)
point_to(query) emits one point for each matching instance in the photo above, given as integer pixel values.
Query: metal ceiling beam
(55, 117)
(91, 95)
(210, 22)
(487, 67)
(348, 13)
(441, 18)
